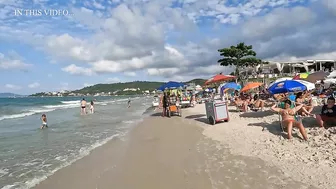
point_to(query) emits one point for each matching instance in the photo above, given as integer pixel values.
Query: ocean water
(28, 154)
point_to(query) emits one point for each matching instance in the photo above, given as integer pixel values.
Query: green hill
(118, 88)
(142, 85)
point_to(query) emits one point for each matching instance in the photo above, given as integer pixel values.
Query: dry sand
(257, 134)
(172, 153)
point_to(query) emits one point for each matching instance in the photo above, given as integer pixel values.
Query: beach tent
(171, 85)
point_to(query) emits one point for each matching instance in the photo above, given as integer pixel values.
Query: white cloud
(12, 62)
(130, 74)
(13, 87)
(50, 75)
(169, 41)
(76, 70)
(113, 80)
(34, 85)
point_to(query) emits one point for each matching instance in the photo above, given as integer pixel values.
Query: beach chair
(297, 116)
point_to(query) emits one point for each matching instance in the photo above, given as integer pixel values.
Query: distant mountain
(119, 88)
(8, 95)
(197, 81)
(142, 85)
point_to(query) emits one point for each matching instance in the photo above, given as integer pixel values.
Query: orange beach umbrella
(218, 78)
(250, 86)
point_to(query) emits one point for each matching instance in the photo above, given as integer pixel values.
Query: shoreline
(169, 153)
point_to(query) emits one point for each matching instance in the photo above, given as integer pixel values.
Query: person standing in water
(83, 107)
(91, 107)
(129, 103)
(44, 121)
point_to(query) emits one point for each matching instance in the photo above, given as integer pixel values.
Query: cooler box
(216, 112)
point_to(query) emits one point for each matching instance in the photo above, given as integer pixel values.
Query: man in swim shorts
(83, 107)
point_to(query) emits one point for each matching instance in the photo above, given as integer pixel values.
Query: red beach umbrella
(219, 78)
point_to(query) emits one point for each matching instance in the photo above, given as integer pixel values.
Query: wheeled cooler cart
(216, 112)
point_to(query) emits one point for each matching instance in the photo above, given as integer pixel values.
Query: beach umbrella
(231, 85)
(279, 80)
(287, 86)
(301, 76)
(332, 74)
(250, 86)
(313, 77)
(219, 78)
(309, 85)
(171, 85)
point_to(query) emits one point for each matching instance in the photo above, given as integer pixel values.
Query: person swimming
(83, 106)
(44, 121)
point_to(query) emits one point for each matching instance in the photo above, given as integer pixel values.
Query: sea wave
(24, 114)
(84, 151)
(49, 108)
(71, 102)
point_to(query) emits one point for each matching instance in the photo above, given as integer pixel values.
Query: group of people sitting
(246, 101)
(291, 107)
(290, 119)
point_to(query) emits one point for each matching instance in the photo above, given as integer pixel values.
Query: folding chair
(282, 106)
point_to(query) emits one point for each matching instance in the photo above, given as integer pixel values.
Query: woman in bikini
(288, 118)
(307, 107)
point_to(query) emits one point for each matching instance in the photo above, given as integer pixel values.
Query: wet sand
(168, 153)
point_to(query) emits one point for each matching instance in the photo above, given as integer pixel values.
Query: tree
(240, 56)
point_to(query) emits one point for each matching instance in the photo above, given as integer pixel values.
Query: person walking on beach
(83, 107)
(44, 121)
(164, 104)
(91, 107)
(129, 103)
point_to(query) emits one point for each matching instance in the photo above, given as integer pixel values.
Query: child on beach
(91, 107)
(44, 121)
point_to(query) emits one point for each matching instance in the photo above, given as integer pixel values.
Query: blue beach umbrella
(231, 85)
(171, 85)
(287, 86)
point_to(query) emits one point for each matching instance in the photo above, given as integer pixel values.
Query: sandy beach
(257, 134)
(188, 153)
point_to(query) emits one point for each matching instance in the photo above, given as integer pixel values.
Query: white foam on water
(71, 102)
(61, 106)
(84, 151)
(8, 187)
(3, 172)
(28, 113)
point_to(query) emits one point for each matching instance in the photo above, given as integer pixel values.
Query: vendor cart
(174, 109)
(216, 112)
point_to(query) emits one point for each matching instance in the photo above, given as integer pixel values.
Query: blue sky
(106, 41)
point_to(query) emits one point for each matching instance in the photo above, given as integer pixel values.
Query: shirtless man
(83, 107)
